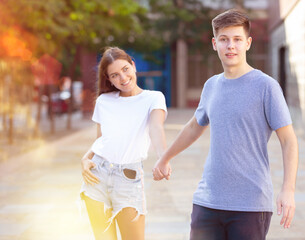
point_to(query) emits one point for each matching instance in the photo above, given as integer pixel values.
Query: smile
(231, 54)
(125, 83)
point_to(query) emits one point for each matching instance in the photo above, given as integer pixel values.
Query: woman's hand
(161, 170)
(88, 176)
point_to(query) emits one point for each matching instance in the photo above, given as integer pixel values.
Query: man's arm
(285, 201)
(189, 134)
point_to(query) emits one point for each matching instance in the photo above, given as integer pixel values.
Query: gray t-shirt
(242, 113)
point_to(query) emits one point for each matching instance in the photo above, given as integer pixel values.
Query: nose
(123, 76)
(230, 44)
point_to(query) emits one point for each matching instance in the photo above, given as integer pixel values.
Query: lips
(231, 54)
(126, 83)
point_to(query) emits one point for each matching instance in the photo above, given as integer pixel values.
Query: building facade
(287, 54)
(192, 67)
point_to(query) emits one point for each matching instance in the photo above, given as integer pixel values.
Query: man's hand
(286, 205)
(161, 170)
(88, 176)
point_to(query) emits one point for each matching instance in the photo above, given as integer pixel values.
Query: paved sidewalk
(38, 190)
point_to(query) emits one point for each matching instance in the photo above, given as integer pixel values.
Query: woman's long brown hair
(109, 56)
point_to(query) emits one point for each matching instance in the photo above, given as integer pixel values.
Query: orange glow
(15, 47)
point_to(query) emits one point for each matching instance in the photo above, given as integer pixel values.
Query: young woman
(127, 118)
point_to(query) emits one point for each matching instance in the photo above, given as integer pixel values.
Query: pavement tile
(39, 189)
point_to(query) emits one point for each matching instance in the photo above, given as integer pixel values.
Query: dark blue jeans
(213, 224)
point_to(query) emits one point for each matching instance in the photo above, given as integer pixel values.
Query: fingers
(288, 213)
(88, 176)
(287, 210)
(169, 173)
(158, 175)
(279, 208)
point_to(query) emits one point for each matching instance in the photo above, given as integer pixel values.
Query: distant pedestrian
(243, 106)
(128, 118)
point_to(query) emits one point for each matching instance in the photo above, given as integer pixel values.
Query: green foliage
(187, 19)
(62, 25)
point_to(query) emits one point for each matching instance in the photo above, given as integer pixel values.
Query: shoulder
(106, 96)
(265, 80)
(153, 94)
(212, 81)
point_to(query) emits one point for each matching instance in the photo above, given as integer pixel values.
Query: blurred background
(49, 52)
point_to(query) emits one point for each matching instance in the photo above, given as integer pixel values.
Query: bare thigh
(132, 227)
(99, 219)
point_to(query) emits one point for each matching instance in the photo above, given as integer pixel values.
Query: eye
(223, 39)
(113, 76)
(125, 69)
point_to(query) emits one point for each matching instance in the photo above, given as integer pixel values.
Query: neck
(134, 92)
(236, 71)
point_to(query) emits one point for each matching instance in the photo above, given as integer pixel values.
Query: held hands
(286, 205)
(88, 176)
(161, 170)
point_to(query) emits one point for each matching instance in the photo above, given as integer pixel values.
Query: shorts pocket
(131, 174)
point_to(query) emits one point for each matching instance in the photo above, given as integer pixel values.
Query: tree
(61, 29)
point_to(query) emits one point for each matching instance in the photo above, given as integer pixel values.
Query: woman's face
(122, 75)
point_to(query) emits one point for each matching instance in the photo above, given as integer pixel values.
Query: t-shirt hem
(233, 208)
(201, 123)
(282, 125)
(96, 152)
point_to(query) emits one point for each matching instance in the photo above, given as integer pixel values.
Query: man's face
(232, 43)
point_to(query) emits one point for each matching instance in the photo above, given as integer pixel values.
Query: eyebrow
(116, 72)
(227, 35)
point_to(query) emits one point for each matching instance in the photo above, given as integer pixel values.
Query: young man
(243, 106)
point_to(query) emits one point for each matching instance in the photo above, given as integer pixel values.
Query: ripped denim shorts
(120, 186)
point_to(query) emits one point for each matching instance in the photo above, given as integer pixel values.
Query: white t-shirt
(124, 125)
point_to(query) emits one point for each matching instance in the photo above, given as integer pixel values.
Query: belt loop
(102, 162)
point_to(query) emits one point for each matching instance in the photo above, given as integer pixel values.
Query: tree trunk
(11, 114)
(71, 74)
(38, 116)
(3, 104)
(70, 107)
(29, 96)
(50, 109)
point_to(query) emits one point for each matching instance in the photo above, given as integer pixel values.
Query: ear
(249, 42)
(214, 43)
(134, 66)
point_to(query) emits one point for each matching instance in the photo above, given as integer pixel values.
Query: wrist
(288, 188)
(164, 159)
(89, 155)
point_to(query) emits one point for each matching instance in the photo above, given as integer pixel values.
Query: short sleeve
(200, 113)
(96, 113)
(276, 109)
(158, 102)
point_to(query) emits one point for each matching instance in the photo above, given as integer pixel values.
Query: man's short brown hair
(231, 18)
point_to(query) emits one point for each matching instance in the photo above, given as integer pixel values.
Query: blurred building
(201, 66)
(287, 53)
(183, 69)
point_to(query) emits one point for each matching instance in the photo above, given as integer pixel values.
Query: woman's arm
(87, 164)
(156, 133)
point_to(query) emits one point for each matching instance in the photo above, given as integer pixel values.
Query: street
(39, 189)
